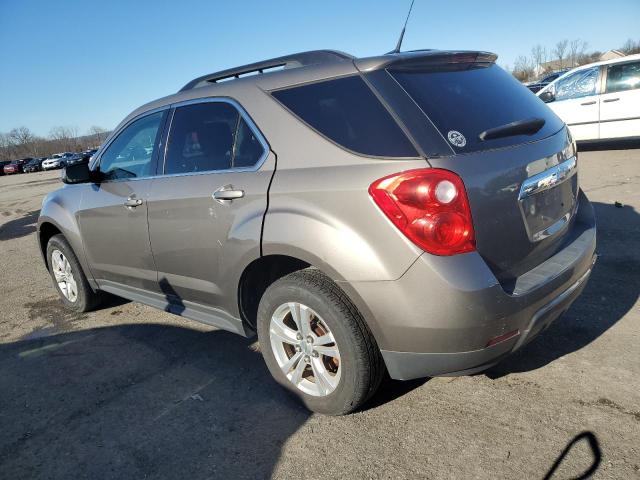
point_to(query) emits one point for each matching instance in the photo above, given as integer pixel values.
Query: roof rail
(288, 61)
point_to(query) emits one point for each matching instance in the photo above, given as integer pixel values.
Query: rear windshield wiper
(520, 127)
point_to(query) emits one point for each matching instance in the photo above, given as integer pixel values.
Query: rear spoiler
(420, 59)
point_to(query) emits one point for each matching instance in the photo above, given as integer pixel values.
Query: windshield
(466, 100)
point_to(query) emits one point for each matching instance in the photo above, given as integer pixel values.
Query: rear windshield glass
(463, 101)
(348, 113)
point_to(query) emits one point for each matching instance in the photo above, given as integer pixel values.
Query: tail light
(430, 207)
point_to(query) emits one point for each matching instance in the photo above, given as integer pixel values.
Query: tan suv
(414, 212)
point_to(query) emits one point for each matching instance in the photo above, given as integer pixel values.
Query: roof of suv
(299, 68)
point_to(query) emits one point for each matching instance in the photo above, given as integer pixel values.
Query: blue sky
(83, 63)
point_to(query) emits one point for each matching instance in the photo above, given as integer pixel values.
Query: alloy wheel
(63, 275)
(305, 349)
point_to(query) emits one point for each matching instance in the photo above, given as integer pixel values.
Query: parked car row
(59, 160)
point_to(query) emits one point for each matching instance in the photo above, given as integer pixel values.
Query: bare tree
(523, 69)
(577, 48)
(560, 50)
(64, 137)
(539, 55)
(21, 136)
(630, 47)
(97, 135)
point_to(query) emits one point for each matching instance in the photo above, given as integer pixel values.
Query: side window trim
(154, 159)
(243, 115)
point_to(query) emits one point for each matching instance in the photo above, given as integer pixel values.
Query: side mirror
(77, 173)
(547, 96)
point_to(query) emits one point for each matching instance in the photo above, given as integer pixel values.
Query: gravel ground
(131, 392)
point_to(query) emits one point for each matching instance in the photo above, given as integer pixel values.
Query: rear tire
(342, 365)
(68, 278)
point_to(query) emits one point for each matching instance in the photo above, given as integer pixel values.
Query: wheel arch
(263, 271)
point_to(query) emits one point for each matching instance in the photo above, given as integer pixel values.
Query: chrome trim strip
(548, 179)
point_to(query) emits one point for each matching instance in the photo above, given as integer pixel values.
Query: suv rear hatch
(513, 153)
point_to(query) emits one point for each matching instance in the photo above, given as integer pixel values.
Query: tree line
(565, 54)
(21, 142)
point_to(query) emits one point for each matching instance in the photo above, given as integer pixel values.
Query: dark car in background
(16, 166)
(34, 165)
(544, 81)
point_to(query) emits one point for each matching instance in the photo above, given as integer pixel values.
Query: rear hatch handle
(520, 127)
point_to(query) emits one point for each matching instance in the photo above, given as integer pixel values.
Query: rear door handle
(227, 194)
(611, 100)
(133, 202)
(593, 102)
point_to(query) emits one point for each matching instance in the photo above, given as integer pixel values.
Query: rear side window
(464, 100)
(210, 136)
(348, 113)
(625, 76)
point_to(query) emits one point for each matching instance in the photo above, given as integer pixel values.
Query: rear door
(113, 212)
(207, 207)
(620, 102)
(577, 103)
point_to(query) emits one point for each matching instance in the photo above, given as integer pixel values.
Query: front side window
(210, 136)
(130, 154)
(347, 112)
(625, 76)
(579, 84)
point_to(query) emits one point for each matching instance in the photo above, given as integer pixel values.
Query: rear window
(347, 112)
(463, 101)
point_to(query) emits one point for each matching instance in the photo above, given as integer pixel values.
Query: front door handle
(611, 100)
(133, 202)
(227, 194)
(588, 103)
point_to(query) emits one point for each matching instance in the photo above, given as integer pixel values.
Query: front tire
(68, 278)
(317, 345)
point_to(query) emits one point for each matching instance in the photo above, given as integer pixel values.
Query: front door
(620, 104)
(207, 207)
(576, 103)
(113, 212)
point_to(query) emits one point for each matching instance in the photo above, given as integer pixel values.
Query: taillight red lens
(430, 207)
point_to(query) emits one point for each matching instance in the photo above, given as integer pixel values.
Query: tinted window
(130, 154)
(346, 111)
(210, 136)
(578, 84)
(622, 77)
(470, 99)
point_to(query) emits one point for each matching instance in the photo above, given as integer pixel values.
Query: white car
(57, 160)
(600, 100)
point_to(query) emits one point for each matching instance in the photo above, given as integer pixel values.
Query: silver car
(412, 213)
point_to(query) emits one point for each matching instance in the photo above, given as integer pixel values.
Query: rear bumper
(443, 315)
(408, 365)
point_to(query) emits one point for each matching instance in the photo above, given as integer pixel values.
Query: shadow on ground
(140, 401)
(19, 227)
(612, 291)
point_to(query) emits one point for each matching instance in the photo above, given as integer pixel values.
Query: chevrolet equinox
(415, 213)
